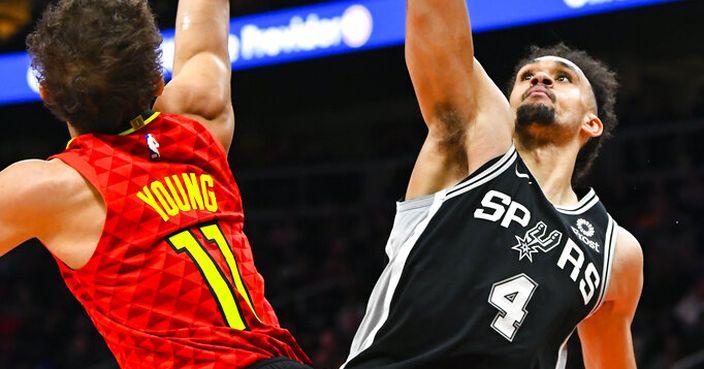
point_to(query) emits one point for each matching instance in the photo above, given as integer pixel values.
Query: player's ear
(593, 126)
(160, 84)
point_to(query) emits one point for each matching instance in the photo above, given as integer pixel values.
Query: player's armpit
(438, 166)
(606, 336)
(463, 108)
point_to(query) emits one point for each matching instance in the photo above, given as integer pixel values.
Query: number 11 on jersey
(214, 276)
(511, 297)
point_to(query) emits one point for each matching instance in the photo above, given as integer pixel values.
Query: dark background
(323, 148)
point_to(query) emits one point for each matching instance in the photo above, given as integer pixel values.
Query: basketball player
(495, 258)
(141, 211)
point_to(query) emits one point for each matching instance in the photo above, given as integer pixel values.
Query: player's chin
(535, 112)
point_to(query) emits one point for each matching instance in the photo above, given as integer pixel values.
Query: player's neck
(72, 130)
(552, 167)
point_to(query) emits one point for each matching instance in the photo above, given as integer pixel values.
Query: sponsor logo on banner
(302, 33)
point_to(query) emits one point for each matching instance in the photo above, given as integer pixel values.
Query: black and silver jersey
(486, 274)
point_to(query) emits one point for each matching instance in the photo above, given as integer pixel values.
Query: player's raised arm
(606, 335)
(469, 120)
(200, 87)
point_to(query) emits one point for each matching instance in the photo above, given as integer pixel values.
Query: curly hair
(98, 61)
(604, 86)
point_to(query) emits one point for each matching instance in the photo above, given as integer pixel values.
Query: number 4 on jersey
(510, 297)
(225, 296)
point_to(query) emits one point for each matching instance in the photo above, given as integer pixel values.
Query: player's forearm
(202, 26)
(439, 54)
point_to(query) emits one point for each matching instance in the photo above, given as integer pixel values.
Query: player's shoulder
(628, 251)
(34, 195)
(40, 183)
(627, 276)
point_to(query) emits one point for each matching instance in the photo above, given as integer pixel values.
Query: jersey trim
(485, 176)
(584, 204)
(391, 277)
(563, 353)
(136, 127)
(609, 249)
(70, 141)
(418, 202)
(125, 132)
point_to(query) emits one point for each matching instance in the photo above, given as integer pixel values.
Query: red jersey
(172, 283)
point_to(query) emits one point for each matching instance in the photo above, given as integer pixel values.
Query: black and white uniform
(486, 274)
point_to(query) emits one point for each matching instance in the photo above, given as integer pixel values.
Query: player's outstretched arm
(469, 120)
(200, 86)
(606, 335)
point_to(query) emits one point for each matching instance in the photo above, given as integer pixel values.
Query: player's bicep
(606, 336)
(201, 90)
(490, 133)
(465, 131)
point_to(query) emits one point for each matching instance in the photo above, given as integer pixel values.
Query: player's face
(550, 92)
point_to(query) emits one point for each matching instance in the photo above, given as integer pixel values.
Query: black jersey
(486, 274)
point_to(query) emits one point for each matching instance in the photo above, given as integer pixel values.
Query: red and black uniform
(172, 283)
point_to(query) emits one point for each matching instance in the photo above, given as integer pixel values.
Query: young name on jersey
(180, 193)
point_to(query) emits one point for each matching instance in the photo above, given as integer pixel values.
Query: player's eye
(526, 76)
(563, 78)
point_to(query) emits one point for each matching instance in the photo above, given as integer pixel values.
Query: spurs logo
(536, 240)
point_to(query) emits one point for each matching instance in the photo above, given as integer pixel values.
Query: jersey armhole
(416, 203)
(200, 127)
(609, 250)
(80, 166)
(88, 173)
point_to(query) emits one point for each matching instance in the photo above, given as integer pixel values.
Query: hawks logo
(536, 240)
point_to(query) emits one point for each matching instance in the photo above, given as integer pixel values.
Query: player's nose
(541, 78)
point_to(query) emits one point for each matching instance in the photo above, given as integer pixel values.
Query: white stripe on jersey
(490, 173)
(562, 354)
(609, 249)
(584, 204)
(379, 303)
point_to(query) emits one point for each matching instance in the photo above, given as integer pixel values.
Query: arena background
(324, 147)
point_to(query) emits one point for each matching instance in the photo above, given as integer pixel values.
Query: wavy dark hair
(604, 85)
(98, 61)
